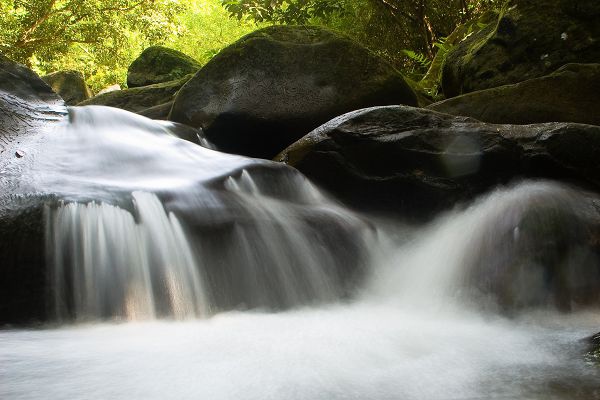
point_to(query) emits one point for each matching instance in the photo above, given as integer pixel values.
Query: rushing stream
(235, 285)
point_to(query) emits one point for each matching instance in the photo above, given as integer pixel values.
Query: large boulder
(70, 85)
(159, 64)
(415, 161)
(273, 86)
(571, 94)
(530, 39)
(140, 98)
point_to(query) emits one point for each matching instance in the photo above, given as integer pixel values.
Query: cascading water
(203, 231)
(422, 312)
(123, 268)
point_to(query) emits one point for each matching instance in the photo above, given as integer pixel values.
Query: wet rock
(70, 85)
(160, 111)
(158, 64)
(28, 108)
(540, 250)
(273, 86)
(593, 349)
(571, 94)
(415, 161)
(530, 39)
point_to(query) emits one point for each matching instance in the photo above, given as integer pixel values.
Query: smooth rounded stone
(70, 85)
(416, 161)
(140, 99)
(531, 39)
(541, 250)
(571, 94)
(158, 64)
(275, 85)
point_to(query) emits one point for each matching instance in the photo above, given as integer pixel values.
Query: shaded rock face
(532, 39)
(571, 94)
(28, 108)
(70, 85)
(538, 246)
(141, 98)
(273, 86)
(415, 161)
(159, 64)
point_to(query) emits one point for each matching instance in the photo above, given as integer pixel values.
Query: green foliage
(285, 11)
(99, 35)
(388, 27)
(206, 28)
(419, 58)
(101, 38)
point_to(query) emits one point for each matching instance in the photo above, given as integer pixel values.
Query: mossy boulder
(275, 85)
(70, 85)
(416, 162)
(140, 98)
(530, 39)
(159, 64)
(571, 94)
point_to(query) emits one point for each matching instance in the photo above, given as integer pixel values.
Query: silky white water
(346, 352)
(410, 333)
(240, 280)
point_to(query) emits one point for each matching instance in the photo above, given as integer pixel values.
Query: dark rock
(273, 86)
(416, 161)
(571, 94)
(531, 39)
(28, 108)
(538, 249)
(159, 64)
(19, 82)
(70, 85)
(593, 349)
(160, 111)
(140, 98)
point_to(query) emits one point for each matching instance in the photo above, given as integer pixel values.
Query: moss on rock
(275, 85)
(530, 39)
(159, 64)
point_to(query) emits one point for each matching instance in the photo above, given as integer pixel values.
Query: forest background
(101, 38)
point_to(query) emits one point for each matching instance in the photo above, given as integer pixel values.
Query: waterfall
(287, 294)
(530, 244)
(152, 226)
(118, 267)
